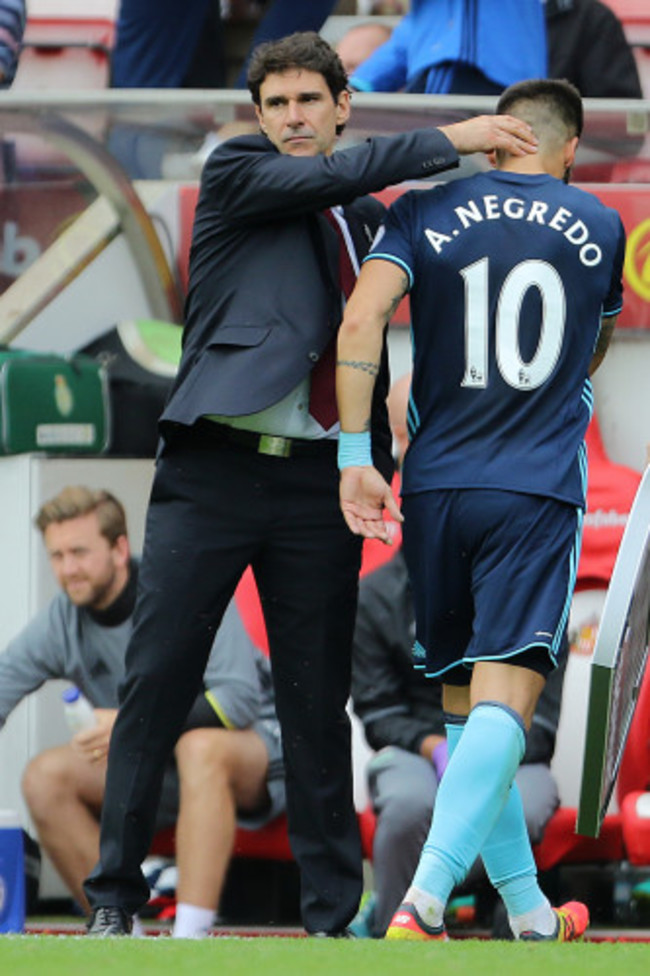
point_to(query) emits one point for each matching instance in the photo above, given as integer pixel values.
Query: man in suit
(246, 471)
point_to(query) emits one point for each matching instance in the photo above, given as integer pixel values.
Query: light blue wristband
(354, 450)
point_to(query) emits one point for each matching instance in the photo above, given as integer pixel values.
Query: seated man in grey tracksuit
(228, 759)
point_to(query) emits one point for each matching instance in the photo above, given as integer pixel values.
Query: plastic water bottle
(78, 711)
(12, 873)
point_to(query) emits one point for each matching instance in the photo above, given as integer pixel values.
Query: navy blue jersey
(510, 275)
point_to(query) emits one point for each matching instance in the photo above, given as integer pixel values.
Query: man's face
(90, 570)
(298, 113)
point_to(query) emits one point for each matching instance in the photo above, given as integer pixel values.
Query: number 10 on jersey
(518, 374)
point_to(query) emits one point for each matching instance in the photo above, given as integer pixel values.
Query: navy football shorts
(492, 575)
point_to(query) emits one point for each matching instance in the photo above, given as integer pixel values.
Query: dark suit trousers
(214, 509)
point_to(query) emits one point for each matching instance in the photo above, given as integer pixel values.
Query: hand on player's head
(486, 133)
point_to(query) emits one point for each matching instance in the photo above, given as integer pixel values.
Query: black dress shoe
(109, 921)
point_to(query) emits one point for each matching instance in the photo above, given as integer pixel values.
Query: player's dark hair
(304, 49)
(559, 95)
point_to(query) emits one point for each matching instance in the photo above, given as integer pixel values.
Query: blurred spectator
(162, 44)
(360, 41)
(588, 47)
(166, 44)
(455, 47)
(12, 27)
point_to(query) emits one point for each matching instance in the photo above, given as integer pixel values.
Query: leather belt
(269, 444)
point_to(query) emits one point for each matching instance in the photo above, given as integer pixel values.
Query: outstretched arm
(363, 492)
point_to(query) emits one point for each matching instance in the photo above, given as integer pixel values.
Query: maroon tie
(322, 397)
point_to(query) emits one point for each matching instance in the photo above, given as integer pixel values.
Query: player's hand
(364, 495)
(485, 133)
(93, 743)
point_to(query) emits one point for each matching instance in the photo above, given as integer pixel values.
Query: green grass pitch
(79, 956)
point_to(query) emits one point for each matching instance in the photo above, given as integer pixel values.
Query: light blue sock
(509, 862)
(472, 793)
(507, 854)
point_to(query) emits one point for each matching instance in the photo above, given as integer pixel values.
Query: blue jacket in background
(504, 39)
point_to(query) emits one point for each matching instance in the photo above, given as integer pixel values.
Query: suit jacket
(264, 298)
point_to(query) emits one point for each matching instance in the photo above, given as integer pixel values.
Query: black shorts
(492, 574)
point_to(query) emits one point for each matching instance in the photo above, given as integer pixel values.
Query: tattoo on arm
(397, 298)
(363, 365)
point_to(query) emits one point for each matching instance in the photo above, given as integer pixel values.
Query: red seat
(635, 819)
(268, 843)
(187, 200)
(367, 824)
(66, 53)
(610, 492)
(635, 18)
(634, 774)
(561, 844)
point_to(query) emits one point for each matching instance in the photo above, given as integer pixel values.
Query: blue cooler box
(12, 873)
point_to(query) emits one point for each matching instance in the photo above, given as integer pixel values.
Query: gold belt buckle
(275, 446)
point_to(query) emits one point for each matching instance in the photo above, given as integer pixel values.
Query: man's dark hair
(306, 50)
(558, 95)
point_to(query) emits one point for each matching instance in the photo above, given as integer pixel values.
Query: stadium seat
(187, 199)
(65, 53)
(634, 773)
(635, 820)
(635, 18)
(561, 844)
(270, 843)
(610, 493)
